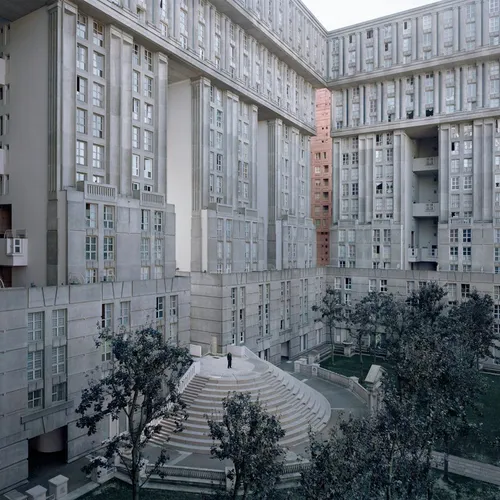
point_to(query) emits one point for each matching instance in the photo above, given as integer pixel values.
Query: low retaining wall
(350, 383)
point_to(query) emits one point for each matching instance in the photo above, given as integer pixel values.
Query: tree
(141, 384)
(332, 311)
(431, 389)
(371, 319)
(249, 437)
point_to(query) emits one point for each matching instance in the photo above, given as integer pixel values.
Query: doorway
(47, 451)
(285, 351)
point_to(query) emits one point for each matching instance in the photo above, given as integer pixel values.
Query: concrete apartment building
(155, 167)
(321, 176)
(416, 152)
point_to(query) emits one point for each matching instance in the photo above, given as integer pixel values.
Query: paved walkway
(341, 400)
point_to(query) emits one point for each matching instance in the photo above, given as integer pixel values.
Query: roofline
(392, 17)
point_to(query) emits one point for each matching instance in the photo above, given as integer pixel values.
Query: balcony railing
(14, 248)
(148, 198)
(98, 192)
(426, 164)
(430, 209)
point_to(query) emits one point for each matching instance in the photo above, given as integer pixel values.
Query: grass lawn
(351, 367)
(472, 446)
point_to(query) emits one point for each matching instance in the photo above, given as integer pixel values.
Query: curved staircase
(298, 406)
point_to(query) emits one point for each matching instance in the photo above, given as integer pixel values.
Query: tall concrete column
(456, 34)
(398, 166)
(161, 123)
(363, 182)
(345, 104)
(362, 104)
(479, 85)
(395, 43)
(414, 46)
(458, 90)
(488, 162)
(397, 84)
(200, 117)
(375, 48)
(444, 172)
(437, 93)
(336, 167)
(358, 52)
(435, 25)
(369, 155)
(416, 89)
(379, 101)
(477, 169)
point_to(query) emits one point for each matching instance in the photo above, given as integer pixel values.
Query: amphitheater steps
(298, 407)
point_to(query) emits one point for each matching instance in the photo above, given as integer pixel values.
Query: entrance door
(285, 351)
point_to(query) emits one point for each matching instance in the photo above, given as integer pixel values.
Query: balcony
(97, 192)
(14, 248)
(425, 209)
(430, 164)
(424, 254)
(149, 199)
(2, 71)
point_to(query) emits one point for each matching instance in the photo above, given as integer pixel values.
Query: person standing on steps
(229, 359)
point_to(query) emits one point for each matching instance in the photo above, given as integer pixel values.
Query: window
(455, 183)
(144, 273)
(90, 215)
(90, 275)
(465, 290)
(81, 57)
(158, 221)
(145, 245)
(98, 64)
(35, 399)
(81, 89)
(109, 217)
(81, 121)
(59, 323)
(148, 140)
(91, 248)
(158, 249)
(59, 392)
(58, 360)
(109, 248)
(98, 34)
(372, 285)
(160, 308)
(348, 283)
(144, 220)
(148, 168)
(124, 318)
(136, 165)
(148, 114)
(35, 365)
(468, 182)
(148, 58)
(147, 88)
(97, 156)
(383, 286)
(81, 153)
(136, 141)
(98, 126)
(136, 109)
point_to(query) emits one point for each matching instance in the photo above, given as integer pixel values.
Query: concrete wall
(179, 168)
(83, 309)
(27, 106)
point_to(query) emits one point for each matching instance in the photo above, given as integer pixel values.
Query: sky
(334, 14)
